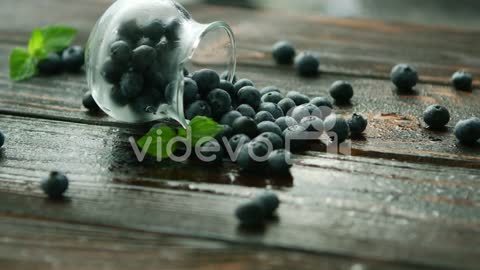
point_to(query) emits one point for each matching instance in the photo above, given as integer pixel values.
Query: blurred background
(456, 14)
(459, 13)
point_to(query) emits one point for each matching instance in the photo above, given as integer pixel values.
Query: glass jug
(136, 55)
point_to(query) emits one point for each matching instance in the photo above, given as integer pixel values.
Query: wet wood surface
(407, 197)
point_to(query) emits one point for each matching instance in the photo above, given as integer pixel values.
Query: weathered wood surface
(42, 244)
(350, 206)
(396, 127)
(420, 210)
(348, 46)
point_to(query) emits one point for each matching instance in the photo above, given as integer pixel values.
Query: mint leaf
(22, 65)
(56, 38)
(201, 127)
(157, 139)
(35, 45)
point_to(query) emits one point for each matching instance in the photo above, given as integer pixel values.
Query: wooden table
(407, 198)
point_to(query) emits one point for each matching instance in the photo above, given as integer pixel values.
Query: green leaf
(157, 139)
(57, 38)
(36, 45)
(201, 127)
(22, 65)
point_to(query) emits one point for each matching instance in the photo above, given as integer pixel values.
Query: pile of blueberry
(138, 64)
(71, 59)
(263, 120)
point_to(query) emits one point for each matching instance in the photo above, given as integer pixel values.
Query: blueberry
(251, 213)
(324, 105)
(273, 97)
(268, 126)
(357, 124)
(245, 125)
(111, 72)
(54, 185)
(172, 32)
(120, 52)
(130, 31)
(228, 86)
(468, 131)
(286, 104)
(211, 151)
(154, 30)
(271, 139)
(50, 65)
(2, 138)
(269, 89)
(220, 101)
(238, 141)
(264, 116)
(298, 98)
(307, 64)
(462, 80)
(283, 53)
(226, 132)
(229, 118)
(131, 84)
(154, 79)
(272, 108)
(190, 91)
(306, 110)
(285, 121)
(246, 110)
(252, 156)
(224, 76)
(143, 57)
(295, 138)
(404, 77)
(147, 42)
(278, 163)
(206, 80)
(341, 91)
(249, 95)
(186, 73)
(117, 97)
(321, 102)
(436, 116)
(144, 103)
(312, 123)
(242, 83)
(89, 103)
(198, 108)
(337, 127)
(73, 58)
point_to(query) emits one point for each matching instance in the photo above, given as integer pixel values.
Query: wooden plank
(348, 46)
(396, 128)
(378, 210)
(42, 244)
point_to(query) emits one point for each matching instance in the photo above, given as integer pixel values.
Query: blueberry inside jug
(136, 55)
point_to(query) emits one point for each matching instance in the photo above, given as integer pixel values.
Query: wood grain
(27, 243)
(407, 198)
(358, 47)
(355, 207)
(396, 128)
